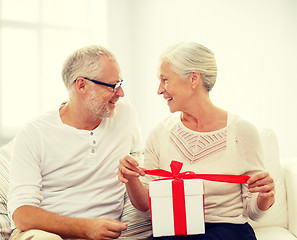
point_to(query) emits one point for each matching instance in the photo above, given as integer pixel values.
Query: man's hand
(264, 184)
(105, 228)
(129, 169)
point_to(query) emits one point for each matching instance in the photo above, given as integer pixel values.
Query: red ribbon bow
(178, 194)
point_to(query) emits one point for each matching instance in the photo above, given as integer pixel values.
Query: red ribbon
(178, 192)
(176, 174)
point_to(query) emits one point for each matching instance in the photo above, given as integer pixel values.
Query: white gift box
(166, 221)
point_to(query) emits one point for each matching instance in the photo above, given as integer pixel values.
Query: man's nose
(120, 92)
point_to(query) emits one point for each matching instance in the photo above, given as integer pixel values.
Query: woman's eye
(163, 80)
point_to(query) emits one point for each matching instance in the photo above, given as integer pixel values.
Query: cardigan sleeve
(250, 148)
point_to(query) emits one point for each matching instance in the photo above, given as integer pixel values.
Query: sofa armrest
(290, 170)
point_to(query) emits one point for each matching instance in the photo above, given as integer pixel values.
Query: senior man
(63, 181)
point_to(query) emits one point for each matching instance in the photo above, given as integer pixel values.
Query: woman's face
(175, 89)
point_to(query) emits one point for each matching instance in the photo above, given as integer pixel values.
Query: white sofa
(280, 222)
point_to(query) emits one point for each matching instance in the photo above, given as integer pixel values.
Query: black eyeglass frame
(114, 87)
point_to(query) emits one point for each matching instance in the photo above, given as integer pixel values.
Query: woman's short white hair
(187, 57)
(84, 62)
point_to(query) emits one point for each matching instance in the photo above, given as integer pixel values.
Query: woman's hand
(129, 169)
(264, 184)
(129, 173)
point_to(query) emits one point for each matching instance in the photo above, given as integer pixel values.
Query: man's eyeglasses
(115, 87)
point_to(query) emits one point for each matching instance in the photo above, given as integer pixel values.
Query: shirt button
(93, 150)
(94, 142)
(91, 133)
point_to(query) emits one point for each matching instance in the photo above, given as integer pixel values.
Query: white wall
(33, 47)
(255, 46)
(254, 42)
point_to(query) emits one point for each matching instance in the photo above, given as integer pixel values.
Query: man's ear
(195, 79)
(80, 85)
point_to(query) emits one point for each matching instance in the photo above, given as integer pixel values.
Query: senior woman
(206, 139)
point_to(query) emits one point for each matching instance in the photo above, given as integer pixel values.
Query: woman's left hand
(263, 183)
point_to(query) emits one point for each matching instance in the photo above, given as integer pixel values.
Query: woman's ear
(195, 79)
(80, 85)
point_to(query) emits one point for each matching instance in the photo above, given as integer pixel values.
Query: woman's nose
(160, 88)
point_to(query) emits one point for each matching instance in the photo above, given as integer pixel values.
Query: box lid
(163, 188)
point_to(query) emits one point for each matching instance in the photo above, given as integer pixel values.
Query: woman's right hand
(129, 169)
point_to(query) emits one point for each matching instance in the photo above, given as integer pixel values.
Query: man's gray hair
(187, 57)
(84, 62)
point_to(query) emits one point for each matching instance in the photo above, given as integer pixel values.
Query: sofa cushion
(269, 233)
(5, 152)
(139, 227)
(277, 214)
(290, 169)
